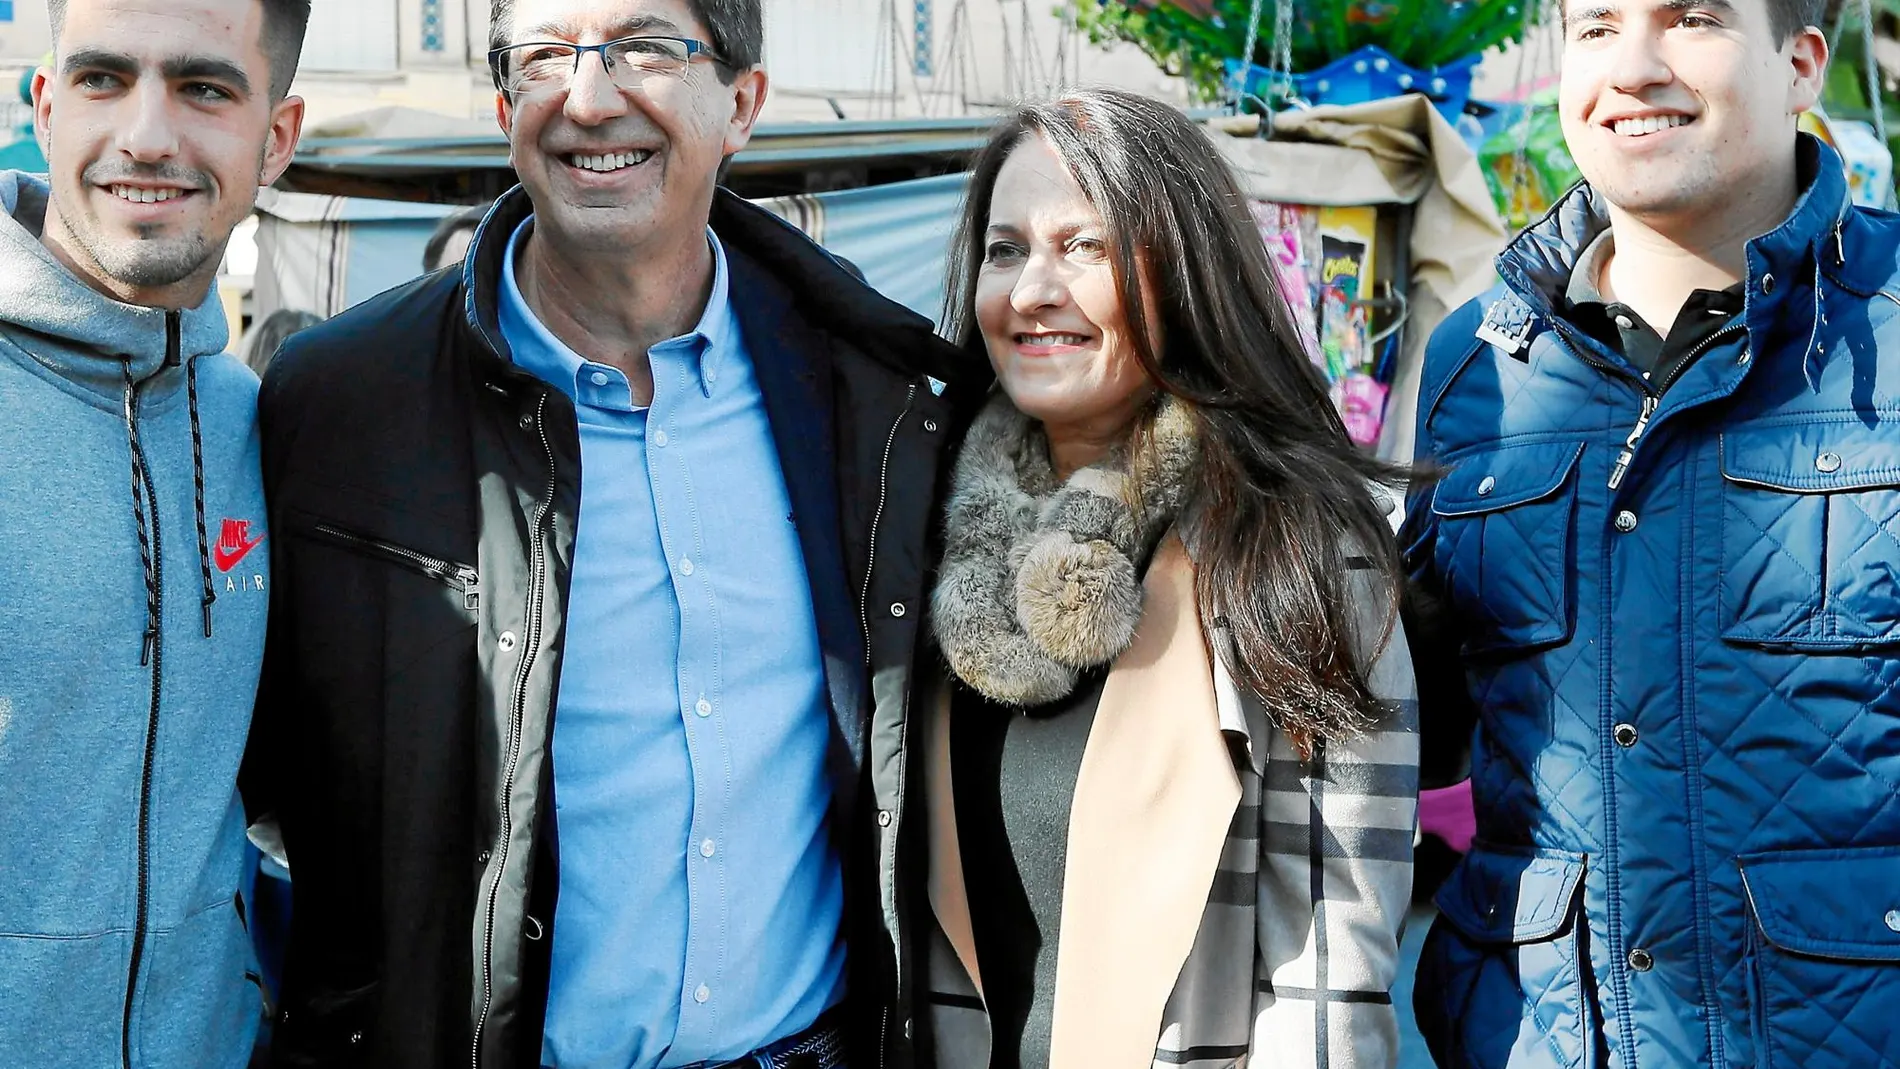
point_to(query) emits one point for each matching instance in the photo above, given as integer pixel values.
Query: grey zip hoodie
(132, 607)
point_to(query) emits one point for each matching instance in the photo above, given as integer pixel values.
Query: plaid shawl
(1296, 950)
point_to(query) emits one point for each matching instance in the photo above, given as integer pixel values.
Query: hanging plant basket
(1203, 39)
(1371, 73)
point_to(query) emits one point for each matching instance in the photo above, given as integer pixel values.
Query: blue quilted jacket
(1676, 607)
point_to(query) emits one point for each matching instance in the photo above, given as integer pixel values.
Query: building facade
(855, 59)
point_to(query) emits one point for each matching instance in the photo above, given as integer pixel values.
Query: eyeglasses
(536, 67)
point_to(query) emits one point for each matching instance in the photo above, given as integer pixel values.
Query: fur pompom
(1041, 579)
(1079, 601)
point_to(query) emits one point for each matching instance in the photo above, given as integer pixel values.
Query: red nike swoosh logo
(228, 558)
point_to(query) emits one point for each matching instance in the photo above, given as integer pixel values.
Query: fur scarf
(1041, 580)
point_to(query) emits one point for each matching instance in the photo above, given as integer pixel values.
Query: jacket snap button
(1489, 484)
(1745, 358)
(507, 641)
(1625, 735)
(1640, 960)
(1827, 463)
(527, 423)
(1626, 521)
(884, 821)
(482, 858)
(930, 425)
(897, 609)
(355, 1038)
(1768, 283)
(1893, 919)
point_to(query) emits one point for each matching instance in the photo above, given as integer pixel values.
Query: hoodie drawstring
(198, 490)
(139, 480)
(144, 496)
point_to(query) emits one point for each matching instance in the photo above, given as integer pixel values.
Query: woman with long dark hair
(1172, 760)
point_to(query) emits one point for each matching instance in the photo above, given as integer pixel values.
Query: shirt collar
(547, 357)
(1584, 285)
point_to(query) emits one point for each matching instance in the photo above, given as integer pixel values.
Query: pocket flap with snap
(1842, 903)
(1504, 478)
(1502, 895)
(1812, 458)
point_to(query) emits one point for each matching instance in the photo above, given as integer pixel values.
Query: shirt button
(686, 566)
(897, 609)
(1625, 735)
(659, 439)
(1641, 961)
(1626, 521)
(599, 378)
(706, 848)
(702, 994)
(507, 641)
(1827, 463)
(703, 708)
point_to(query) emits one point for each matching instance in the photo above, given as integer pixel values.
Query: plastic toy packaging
(1326, 259)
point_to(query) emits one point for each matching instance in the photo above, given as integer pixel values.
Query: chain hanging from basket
(1279, 61)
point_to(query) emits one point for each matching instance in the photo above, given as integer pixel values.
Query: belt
(819, 1047)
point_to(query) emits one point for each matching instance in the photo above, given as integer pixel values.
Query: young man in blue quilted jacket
(1664, 562)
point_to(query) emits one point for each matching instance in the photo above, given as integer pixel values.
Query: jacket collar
(1537, 265)
(830, 295)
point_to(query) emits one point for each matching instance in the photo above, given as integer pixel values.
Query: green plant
(1195, 40)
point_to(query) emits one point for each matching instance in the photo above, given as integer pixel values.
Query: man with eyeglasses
(600, 569)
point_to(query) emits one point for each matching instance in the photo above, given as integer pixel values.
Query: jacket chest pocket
(367, 601)
(1811, 537)
(1505, 521)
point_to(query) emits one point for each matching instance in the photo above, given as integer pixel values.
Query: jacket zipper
(1652, 399)
(459, 576)
(532, 640)
(864, 620)
(877, 517)
(155, 647)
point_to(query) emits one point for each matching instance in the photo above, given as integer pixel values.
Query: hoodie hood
(89, 337)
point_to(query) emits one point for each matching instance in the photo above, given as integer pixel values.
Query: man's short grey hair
(285, 22)
(737, 29)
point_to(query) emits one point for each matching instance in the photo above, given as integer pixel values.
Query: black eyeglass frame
(694, 48)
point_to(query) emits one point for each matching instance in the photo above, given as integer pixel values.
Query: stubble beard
(146, 261)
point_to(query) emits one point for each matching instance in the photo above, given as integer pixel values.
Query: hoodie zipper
(538, 569)
(155, 650)
(459, 576)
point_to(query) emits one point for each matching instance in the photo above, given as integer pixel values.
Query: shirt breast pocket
(1505, 526)
(1811, 536)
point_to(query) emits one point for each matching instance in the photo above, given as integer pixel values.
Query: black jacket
(423, 493)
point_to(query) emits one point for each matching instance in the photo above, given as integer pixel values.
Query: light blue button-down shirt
(700, 897)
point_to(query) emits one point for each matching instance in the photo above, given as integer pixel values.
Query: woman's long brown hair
(1284, 497)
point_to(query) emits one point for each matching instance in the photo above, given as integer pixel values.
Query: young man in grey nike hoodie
(132, 583)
